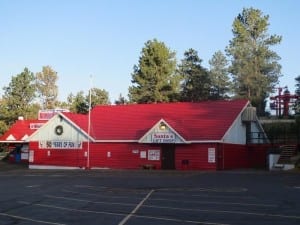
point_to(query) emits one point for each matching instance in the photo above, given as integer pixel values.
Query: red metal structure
(281, 102)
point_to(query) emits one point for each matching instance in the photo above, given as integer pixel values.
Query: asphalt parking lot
(135, 197)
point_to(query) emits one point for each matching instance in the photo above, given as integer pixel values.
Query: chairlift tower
(281, 102)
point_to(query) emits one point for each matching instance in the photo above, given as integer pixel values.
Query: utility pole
(89, 124)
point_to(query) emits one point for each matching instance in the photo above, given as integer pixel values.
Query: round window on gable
(59, 130)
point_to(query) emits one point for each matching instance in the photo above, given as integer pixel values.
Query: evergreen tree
(196, 82)
(80, 103)
(254, 67)
(121, 100)
(3, 127)
(18, 97)
(220, 81)
(154, 78)
(46, 87)
(3, 116)
(296, 106)
(98, 97)
(297, 85)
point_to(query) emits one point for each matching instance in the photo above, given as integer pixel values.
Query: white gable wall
(237, 133)
(171, 137)
(47, 131)
(157, 135)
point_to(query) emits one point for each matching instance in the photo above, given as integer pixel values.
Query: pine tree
(296, 106)
(154, 78)
(46, 87)
(18, 97)
(196, 82)
(121, 100)
(255, 69)
(220, 81)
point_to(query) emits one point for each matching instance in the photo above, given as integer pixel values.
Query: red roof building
(194, 122)
(17, 136)
(206, 135)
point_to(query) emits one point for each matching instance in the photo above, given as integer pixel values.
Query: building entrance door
(168, 157)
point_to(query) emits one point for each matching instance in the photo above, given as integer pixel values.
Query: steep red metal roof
(20, 130)
(201, 121)
(193, 121)
(81, 120)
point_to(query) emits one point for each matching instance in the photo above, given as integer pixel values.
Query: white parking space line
(29, 219)
(179, 194)
(33, 186)
(135, 209)
(83, 186)
(88, 201)
(122, 214)
(179, 220)
(216, 203)
(33, 175)
(226, 212)
(220, 190)
(156, 202)
(79, 210)
(102, 195)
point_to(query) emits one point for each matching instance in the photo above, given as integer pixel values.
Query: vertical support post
(89, 125)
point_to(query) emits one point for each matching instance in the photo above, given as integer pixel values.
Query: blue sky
(104, 38)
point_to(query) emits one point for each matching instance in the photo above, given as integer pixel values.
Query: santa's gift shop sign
(163, 137)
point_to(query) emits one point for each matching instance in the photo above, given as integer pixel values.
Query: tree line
(248, 68)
